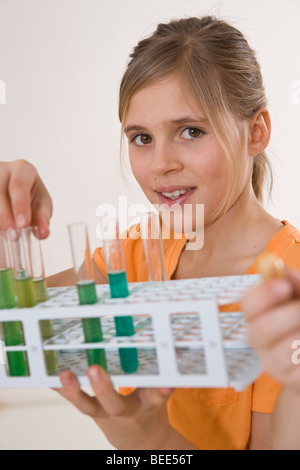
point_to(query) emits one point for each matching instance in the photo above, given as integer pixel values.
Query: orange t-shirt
(214, 418)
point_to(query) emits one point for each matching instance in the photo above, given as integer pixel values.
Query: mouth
(172, 195)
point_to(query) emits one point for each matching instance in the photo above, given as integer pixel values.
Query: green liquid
(40, 290)
(25, 292)
(124, 325)
(7, 294)
(118, 285)
(17, 360)
(93, 334)
(12, 331)
(91, 326)
(50, 356)
(87, 292)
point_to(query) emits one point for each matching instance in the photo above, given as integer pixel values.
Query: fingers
(6, 215)
(107, 402)
(153, 396)
(21, 182)
(277, 360)
(275, 325)
(24, 200)
(113, 403)
(72, 392)
(42, 209)
(266, 296)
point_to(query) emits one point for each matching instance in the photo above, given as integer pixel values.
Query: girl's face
(174, 155)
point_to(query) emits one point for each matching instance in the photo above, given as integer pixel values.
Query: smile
(176, 196)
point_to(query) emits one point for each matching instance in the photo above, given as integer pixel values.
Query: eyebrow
(180, 121)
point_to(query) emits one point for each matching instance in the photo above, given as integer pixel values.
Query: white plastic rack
(182, 335)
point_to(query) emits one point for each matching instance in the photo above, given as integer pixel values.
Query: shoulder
(288, 245)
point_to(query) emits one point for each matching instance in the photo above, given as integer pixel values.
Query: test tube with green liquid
(12, 330)
(40, 293)
(19, 243)
(29, 278)
(86, 288)
(118, 285)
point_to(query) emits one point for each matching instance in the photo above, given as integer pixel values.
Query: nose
(165, 158)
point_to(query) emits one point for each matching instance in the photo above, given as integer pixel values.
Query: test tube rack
(182, 337)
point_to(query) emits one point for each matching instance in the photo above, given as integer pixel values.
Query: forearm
(64, 278)
(286, 429)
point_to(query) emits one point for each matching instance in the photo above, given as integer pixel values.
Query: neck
(241, 232)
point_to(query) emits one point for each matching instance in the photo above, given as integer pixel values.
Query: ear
(259, 132)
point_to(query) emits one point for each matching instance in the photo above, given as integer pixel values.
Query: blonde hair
(219, 69)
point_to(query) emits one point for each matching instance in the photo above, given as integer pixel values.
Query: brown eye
(142, 139)
(192, 133)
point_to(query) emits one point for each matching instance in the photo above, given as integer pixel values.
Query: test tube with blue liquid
(86, 289)
(12, 330)
(116, 270)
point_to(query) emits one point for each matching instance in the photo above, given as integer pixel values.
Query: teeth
(176, 194)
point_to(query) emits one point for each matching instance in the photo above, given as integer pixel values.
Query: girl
(193, 107)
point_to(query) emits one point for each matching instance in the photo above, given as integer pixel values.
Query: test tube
(151, 236)
(30, 280)
(37, 265)
(40, 292)
(12, 330)
(115, 263)
(19, 242)
(86, 289)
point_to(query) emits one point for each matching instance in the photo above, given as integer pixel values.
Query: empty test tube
(151, 236)
(12, 330)
(86, 289)
(118, 285)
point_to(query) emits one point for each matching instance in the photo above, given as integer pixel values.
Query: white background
(62, 62)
